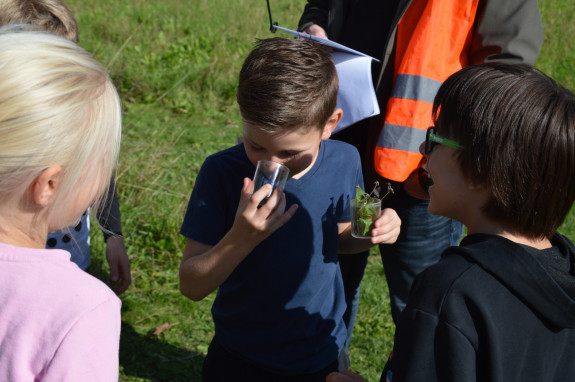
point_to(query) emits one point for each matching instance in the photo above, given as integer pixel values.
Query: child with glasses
(501, 305)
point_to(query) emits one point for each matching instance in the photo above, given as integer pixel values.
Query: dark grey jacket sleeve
(315, 12)
(509, 30)
(109, 217)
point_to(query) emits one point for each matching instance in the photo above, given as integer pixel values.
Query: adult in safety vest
(420, 43)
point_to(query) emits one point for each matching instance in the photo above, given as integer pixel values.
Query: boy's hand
(344, 376)
(387, 228)
(258, 223)
(386, 231)
(205, 267)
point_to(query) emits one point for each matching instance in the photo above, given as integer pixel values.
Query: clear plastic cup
(268, 172)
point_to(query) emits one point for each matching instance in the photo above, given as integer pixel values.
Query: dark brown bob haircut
(286, 84)
(517, 127)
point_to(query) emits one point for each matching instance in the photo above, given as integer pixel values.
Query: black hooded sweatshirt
(490, 310)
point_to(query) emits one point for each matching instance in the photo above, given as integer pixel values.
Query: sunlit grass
(175, 64)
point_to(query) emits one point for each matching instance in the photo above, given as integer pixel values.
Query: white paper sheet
(356, 96)
(335, 45)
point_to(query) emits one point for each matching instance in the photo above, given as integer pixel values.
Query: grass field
(175, 64)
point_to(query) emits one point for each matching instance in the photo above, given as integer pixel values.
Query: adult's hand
(119, 264)
(316, 30)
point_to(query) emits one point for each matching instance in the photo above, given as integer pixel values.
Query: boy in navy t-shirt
(278, 311)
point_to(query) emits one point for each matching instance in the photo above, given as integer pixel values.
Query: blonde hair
(58, 107)
(49, 15)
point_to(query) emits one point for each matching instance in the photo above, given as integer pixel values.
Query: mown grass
(175, 64)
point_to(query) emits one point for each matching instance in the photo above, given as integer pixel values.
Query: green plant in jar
(366, 209)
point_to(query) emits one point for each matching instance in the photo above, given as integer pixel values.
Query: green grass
(557, 57)
(175, 64)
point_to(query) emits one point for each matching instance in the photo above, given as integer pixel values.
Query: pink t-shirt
(57, 323)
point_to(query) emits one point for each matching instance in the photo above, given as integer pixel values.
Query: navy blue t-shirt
(282, 306)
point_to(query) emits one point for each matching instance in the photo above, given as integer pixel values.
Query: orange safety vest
(433, 38)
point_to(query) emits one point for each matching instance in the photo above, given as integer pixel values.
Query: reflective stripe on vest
(417, 88)
(398, 143)
(433, 38)
(408, 87)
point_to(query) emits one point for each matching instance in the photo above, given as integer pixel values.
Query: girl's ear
(331, 123)
(43, 188)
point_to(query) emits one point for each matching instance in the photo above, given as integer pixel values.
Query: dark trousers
(222, 366)
(352, 268)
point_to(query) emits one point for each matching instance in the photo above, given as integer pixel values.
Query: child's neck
(22, 240)
(495, 229)
(306, 170)
(22, 232)
(535, 243)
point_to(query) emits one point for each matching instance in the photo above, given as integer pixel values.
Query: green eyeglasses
(432, 139)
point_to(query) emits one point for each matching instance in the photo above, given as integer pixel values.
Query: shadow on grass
(155, 360)
(149, 357)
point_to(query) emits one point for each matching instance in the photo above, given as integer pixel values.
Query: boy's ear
(43, 188)
(331, 123)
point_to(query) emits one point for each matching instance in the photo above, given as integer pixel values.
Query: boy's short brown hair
(49, 15)
(517, 127)
(287, 84)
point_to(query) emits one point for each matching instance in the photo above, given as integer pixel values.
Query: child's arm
(205, 267)
(386, 231)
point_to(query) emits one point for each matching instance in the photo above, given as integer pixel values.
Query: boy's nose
(276, 159)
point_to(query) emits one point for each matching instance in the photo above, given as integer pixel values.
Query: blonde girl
(60, 126)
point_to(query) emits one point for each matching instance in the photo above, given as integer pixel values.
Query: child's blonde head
(49, 15)
(58, 107)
